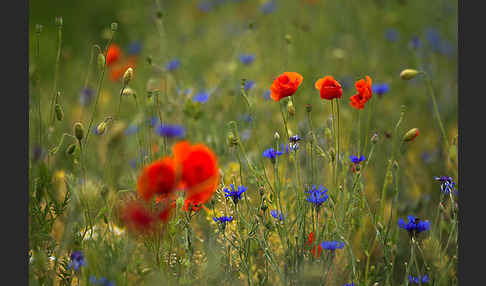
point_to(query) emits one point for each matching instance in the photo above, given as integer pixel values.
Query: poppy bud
(59, 112)
(114, 26)
(411, 134)
(308, 107)
(127, 77)
(408, 74)
(127, 91)
(276, 136)
(100, 129)
(78, 131)
(70, 149)
(290, 108)
(101, 61)
(374, 138)
(395, 165)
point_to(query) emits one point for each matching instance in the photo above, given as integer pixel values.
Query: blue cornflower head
(235, 194)
(173, 65)
(77, 260)
(357, 160)
(447, 185)
(290, 147)
(131, 129)
(380, 88)
(271, 154)
(102, 281)
(295, 138)
(153, 121)
(332, 245)
(349, 284)
(417, 280)
(434, 39)
(201, 97)
(134, 48)
(268, 7)
(266, 94)
(86, 95)
(278, 215)
(414, 225)
(247, 58)
(415, 42)
(223, 220)
(391, 35)
(249, 84)
(167, 130)
(317, 196)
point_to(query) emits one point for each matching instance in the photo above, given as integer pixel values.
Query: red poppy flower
(329, 88)
(158, 178)
(137, 217)
(310, 241)
(285, 85)
(113, 55)
(166, 211)
(364, 93)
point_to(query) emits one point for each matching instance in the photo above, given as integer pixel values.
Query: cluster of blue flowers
(317, 196)
(447, 185)
(272, 154)
(278, 215)
(355, 160)
(223, 220)
(235, 194)
(417, 280)
(201, 97)
(414, 225)
(172, 65)
(77, 260)
(102, 281)
(249, 84)
(170, 131)
(332, 245)
(380, 88)
(247, 59)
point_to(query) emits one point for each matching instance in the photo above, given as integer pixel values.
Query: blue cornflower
(153, 121)
(434, 39)
(249, 84)
(349, 284)
(133, 163)
(235, 194)
(391, 35)
(102, 281)
(447, 185)
(268, 7)
(86, 95)
(247, 58)
(223, 220)
(415, 42)
(295, 138)
(271, 154)
(417, 280)
(380, 88)
(173, 65)
(414, 225)
(167, 130)
(205, 6)
(201, 97)
(357, 160)
(37, 153)
(245, 117)
(278, 215)
(77, 260)
(245, 134)
(131, 129)
(290, 147)
(266, 94)
(332, 245)
(134, 48)
(317, 196)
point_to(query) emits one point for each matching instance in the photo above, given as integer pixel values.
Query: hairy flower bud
(101, 61)
(59, 112)
(100, 129)
(290, 108)
(411, 135)
(78, 131)
(128, 76)
(408, 74)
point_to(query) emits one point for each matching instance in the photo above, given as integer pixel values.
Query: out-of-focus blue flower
(205, 6)
(317, 196)
(357, 160)
(186, 91)
(268, 7)
(332, 245)
(77, 260)
(271, 154)
(86, 95)
(153, 121)
(235, 194)
(247, 58)
(414, 225)
(433, 38)
(131, 129)
(37, 153)
(278, 215)
(266, 94)
(415, 43)
(169, 131)
(290, 147)
(102, 281)
(380, 88)
(249, 84)
(133, 163)
(172, 65)
(223, 220)
(392, 35)
(295, 138)
(245, 117)
(417, 280)
(201, 97)
(245, 134)
(447, 184)
(446, 48)
(349, 284)
(134, 48)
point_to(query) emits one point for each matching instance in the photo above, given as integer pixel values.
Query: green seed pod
(101, 61)
(78, 131)
(128, 76)
(411, 134)
(100, 129)
(290, 108)
(408, 74)
(59, 112)
(70, 149)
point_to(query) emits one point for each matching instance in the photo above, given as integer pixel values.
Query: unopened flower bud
(100, 129)
(59, 21)
(290, 108)
(308, 107)
(128, 91)
(374, 138)
(149, 60)
(264, 208)
(59, 112)
(101, 61)
(179, 202)
(395, 164)
(408, 74)
(288, 38)
(78, 131)
(70, 149)
(114, 26)
(276, 136)
(411, 134)
(128, 76)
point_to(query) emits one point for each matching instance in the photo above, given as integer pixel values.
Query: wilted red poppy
(329, 88)
(310, 241)
(285, 85)
(158, 178)
(364, 93)
(137, 217)
(113, 55)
